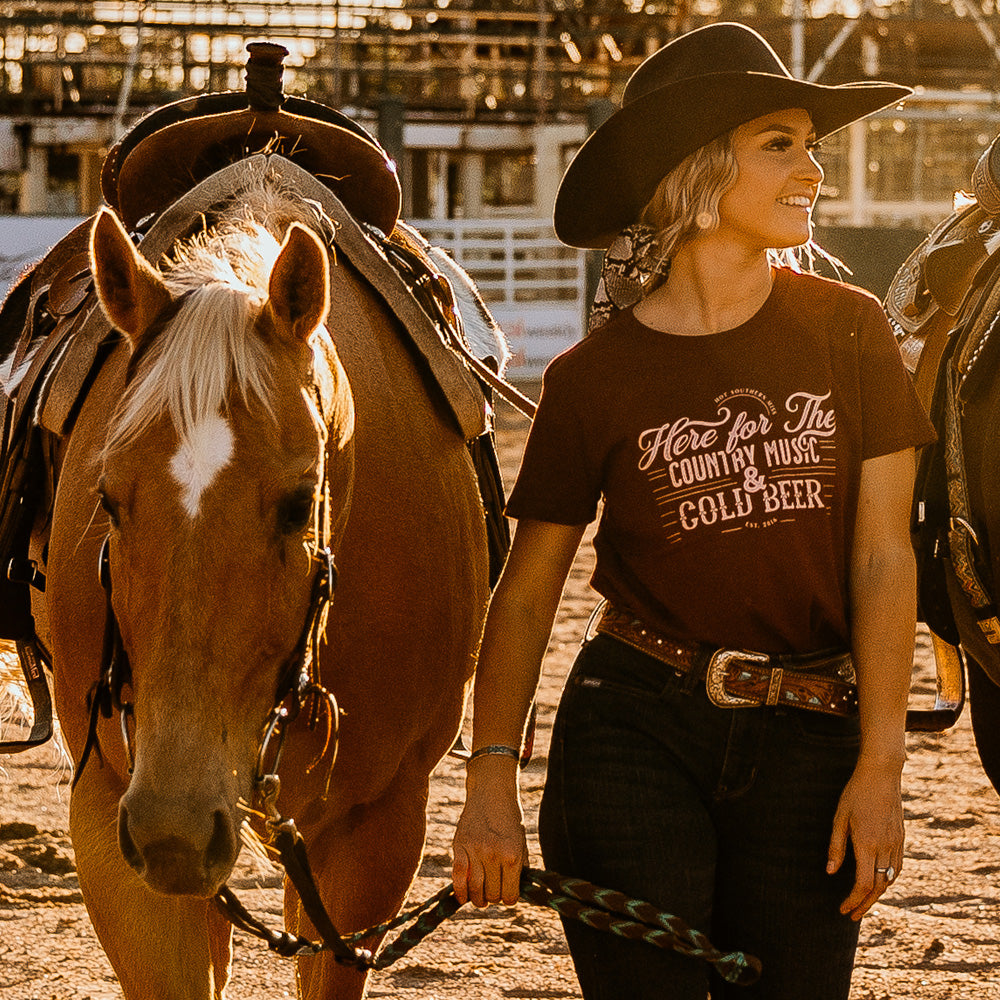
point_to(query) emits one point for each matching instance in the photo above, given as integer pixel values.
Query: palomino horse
(944, 304)
(262, 403)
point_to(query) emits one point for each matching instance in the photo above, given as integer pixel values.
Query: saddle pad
(458, 385)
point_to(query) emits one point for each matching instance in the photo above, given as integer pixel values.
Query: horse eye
(295, 511)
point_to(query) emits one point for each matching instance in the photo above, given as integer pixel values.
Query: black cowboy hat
(694, 89)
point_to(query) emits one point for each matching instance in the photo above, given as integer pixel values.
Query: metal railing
(535, 286)
(513, 261)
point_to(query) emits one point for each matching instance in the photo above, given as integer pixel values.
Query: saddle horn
(265, 70)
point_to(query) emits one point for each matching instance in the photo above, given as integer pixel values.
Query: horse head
(226, 471)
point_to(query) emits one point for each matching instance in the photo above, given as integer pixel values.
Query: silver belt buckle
(715, 678)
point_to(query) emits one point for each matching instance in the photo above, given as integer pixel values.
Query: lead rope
(602, 909)
(635, 919)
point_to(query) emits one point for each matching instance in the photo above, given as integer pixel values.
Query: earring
(704, 220)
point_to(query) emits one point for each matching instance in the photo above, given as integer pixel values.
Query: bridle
(298, 688)
(298, 683)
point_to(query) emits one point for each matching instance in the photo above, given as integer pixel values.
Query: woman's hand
(883, 590)
(870, 812)
(490, 846)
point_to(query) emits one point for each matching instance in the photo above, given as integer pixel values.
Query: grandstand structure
(483, 102)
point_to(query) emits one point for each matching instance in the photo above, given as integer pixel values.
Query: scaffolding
(524, 61)
(482, 102)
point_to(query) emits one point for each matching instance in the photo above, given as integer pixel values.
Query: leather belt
(736, 678)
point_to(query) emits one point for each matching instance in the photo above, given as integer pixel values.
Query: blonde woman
(730, 743)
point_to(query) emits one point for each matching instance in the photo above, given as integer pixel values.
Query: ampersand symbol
(753, 481)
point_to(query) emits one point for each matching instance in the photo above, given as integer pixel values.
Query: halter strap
(298, 678)
(105, 695)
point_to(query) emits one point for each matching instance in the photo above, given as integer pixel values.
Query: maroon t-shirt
(728, 464)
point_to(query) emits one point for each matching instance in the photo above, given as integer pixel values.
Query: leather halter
(297, 680)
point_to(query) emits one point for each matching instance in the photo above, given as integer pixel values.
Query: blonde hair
(686, 203)
(688, 195)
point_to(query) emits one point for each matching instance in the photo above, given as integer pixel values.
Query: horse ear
(131, 291)
(299, 287)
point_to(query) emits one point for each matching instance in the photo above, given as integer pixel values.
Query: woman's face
(770, 205)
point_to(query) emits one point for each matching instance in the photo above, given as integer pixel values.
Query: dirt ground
(933, 935)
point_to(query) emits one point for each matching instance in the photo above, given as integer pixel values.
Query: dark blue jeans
(721, 816)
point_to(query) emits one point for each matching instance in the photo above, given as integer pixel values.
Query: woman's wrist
(493, 774)
(885, 760)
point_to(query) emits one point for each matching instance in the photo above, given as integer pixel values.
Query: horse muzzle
(177, 849)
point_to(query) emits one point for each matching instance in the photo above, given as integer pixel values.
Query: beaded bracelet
(497, 749)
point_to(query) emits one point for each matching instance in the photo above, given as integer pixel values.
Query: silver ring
(889, 873)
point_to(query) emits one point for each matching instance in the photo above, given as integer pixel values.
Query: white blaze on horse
(262, 403)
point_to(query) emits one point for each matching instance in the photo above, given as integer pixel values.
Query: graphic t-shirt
(728, 464)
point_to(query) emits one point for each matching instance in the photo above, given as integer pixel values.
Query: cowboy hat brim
(175, 147)
(617, 170)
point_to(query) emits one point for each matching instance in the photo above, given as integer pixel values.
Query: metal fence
(534, 285)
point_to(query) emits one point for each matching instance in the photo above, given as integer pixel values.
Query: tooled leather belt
(734, 678)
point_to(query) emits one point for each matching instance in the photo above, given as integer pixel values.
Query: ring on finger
(889, 872)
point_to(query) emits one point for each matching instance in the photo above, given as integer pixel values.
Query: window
(832, 158)
(924, 159)
(508, 178)
(892, 156)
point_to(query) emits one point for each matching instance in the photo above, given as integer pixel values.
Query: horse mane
(210, 347)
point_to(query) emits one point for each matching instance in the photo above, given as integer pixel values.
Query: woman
(730, 742)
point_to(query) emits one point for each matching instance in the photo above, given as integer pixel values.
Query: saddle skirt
(934, 281)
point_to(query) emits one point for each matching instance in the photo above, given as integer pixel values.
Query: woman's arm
(490, 847)
(883, 617)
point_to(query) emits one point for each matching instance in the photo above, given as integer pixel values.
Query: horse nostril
(125, 843)
(222, 848)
